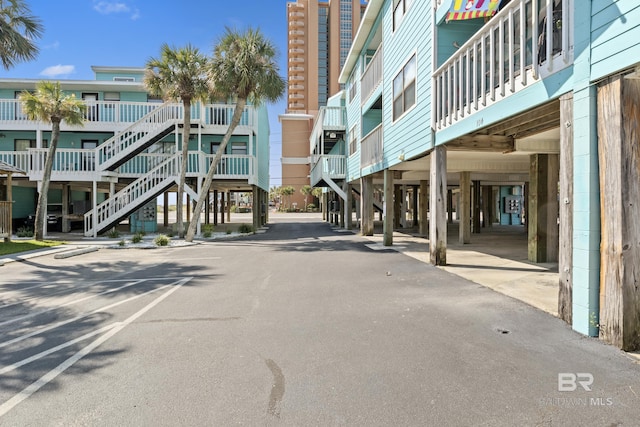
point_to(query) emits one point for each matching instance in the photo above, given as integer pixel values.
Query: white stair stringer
(119, 147)
(335, 187)
(132, 197)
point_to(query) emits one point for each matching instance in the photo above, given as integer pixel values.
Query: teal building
(127, 154)
(527, 115)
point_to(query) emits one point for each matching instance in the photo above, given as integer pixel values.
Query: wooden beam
(565, 255)
(524, 120)
(464, 208)
(389, 208)
(619, 161)
(438, 203)
(480, 142)
(366, 205)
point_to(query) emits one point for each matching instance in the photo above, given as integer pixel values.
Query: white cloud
(109, 7)
(55, 45)
(58, 70)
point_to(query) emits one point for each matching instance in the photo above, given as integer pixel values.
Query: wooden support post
(349, 206)
(543, 208)
(10, 200)
(188, 207)
(65, 226)
(414, 206)
(366, 204)
(215, 207)
(229, 206)
(450, 206)
(464, 208)
(388, 209)
(165, 210)
(438, 206)
(565, 254)
(619, 158)
(255, 206)
(486, 203)
(207, 208)
(396, 206)
(222, 207)
(423, 216)
(476, 207)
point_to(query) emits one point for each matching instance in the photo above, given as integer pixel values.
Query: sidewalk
(495, 258)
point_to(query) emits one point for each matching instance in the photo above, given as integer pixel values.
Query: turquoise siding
(410, 135)
(262, 147)
(109, 76)
(615, 36)
(354, 118)
(455, 33)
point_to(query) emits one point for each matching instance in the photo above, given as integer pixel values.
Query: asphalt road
(302, 325)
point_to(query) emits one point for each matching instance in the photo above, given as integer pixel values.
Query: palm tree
(243, 67)
(50, 104)
(287, 192)
(179, 75)
(18, 29)
(306, 190)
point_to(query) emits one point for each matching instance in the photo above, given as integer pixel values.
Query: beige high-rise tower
(319, 38)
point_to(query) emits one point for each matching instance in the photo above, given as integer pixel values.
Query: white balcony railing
(372, 76)
(328, 166)
(371, 148)
(328, 119)
(513, 50)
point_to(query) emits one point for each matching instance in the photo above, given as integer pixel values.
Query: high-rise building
(319, 39)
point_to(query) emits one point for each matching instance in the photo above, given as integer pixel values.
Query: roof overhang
(368, 19)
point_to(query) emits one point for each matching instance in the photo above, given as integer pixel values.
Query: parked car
(54, 218)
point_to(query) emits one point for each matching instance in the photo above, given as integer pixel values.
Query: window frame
(406, 84)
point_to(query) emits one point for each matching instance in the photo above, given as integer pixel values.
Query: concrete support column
(387, 208)
(543, 208)
(343, 211)
(366, 205)
(464, 206)
(229, 206)
(423, 208)
(255, 208)
(438, 207)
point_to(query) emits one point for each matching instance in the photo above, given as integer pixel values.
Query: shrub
(161, 240)
(228, 231)
(137, 238)
(245, 228)
(311, 207)
(24, 232)
(122, 243)
(113, 234)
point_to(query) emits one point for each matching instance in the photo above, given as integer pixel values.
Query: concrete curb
(75, 252)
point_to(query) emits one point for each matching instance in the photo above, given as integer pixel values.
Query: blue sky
(82, 33)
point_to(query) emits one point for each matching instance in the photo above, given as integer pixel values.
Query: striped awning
(470, 9)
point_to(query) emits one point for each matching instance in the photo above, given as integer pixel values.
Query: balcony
(296, 51)
(296, 33)
(297, 60)
(296, 41)
(296, 23)
(328, 167)
(371, 148)
(296, 78)
(294, 14)
(296, 69)
(372, 76)
(296, 87)
(514, 50)
(296, 106)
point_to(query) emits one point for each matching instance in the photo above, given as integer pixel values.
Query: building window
(239, 148)
(124, 79)
(400, 8)
(404, 89)
(352, 91)
(112, 96)
(353, 141)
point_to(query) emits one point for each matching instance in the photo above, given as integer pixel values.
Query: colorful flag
(470, 9)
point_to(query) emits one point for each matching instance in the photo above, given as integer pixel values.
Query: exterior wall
(354, 126)
(615, 36)
(261, 147)
(410, 135)
(296, 131)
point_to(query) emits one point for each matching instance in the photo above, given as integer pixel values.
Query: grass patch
(15, 247)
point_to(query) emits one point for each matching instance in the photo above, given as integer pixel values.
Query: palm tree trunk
(235, 120)
(41, 209)
(186, 133)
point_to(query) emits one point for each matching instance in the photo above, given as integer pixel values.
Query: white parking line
(37, 313)
(51, 375)
(80, 317)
